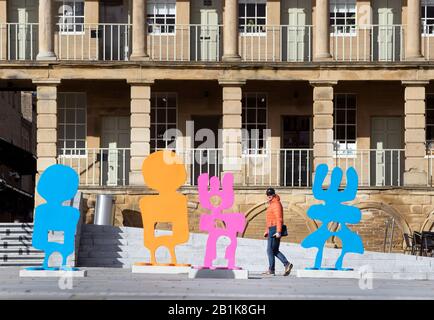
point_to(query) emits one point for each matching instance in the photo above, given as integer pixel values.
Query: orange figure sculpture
(164, 171)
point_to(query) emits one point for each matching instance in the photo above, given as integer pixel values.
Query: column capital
(323, 83)
(140, 82)
(47, 82)
(231, 82)
(415, 83)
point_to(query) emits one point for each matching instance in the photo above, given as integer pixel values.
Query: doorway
(209, 35)
(387, 33)
(115, 163)
(22, 35)
(113, 34)
(296, 34)
(386, 159)
(296, 159)
(206, 159)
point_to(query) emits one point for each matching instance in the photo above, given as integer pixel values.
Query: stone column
(323, 123)
(46, 34)
(413, 39)
(230, 31)
(140, 128)
(139, 51)
(415, 172)
(46, 127)
(322, 30)
(231, 133)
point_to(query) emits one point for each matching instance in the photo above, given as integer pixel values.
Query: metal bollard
(104, 210)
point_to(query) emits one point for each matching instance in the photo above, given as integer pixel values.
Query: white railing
(281, 167)
(18, 41)
(89, 41)
(430, 169)
(284, 167)
(200, 161)
(428, 41)
(383, 43)
(190, 42)
(375, 167)
(98, 166)
(276, 43)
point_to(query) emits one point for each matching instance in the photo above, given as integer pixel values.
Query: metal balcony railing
(367, 43)
(18, 41)
(375, 167)
(284, 43)
(89, 41)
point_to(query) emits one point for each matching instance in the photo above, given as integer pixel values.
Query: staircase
(16, 245)
(106, 246)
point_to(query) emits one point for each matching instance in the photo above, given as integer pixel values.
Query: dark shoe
(268, 273)
(288, 269)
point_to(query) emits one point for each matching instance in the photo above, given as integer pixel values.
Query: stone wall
(411, 209)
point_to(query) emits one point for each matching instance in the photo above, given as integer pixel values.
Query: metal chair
(417, 243)
(427, 243)
(409, 248)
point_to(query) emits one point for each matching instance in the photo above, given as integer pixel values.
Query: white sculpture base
(52, 273)
(330, 274)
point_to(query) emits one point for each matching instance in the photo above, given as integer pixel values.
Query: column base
(415, 58)
(231, 58)
(415, 178)
(136, 179)
(47, 56)
(238, 176)
(140, 57)
(323, 57)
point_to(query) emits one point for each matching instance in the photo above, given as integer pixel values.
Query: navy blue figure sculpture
(57, 184)
(332, 210)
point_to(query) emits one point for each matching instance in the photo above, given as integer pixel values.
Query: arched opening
(381, 228)
(298, 223)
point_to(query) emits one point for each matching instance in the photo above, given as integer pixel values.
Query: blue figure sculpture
(57, 184)
(334, 211)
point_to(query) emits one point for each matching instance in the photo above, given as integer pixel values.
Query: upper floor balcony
(200, 43)
(204, 43)
(254, 31)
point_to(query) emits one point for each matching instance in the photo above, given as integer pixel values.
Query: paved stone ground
(104, 283)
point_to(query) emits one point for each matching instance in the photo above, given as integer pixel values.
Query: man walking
(274, 220)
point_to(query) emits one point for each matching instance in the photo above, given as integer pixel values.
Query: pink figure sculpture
(234, 222)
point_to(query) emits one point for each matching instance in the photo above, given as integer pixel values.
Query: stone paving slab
(118, 283)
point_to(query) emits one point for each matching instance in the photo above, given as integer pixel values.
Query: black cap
(270, 192)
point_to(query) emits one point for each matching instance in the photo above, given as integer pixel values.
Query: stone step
(8, 232)
(16, 236)
(16, 225)
(23, 263)
(15, 243)
(19, 250)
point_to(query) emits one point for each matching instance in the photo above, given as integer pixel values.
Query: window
(71, 133)
(163, 118)
(343, 17)
(71, 16)
(254, 117)
(428, 17)
(429, 119)
(344, 117)
(161, 16)
(252, 16)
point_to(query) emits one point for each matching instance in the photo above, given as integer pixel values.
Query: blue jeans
(273, 252)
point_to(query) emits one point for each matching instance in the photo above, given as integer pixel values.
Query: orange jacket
(274, 215)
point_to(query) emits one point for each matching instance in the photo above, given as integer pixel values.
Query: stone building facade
(346, 83)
